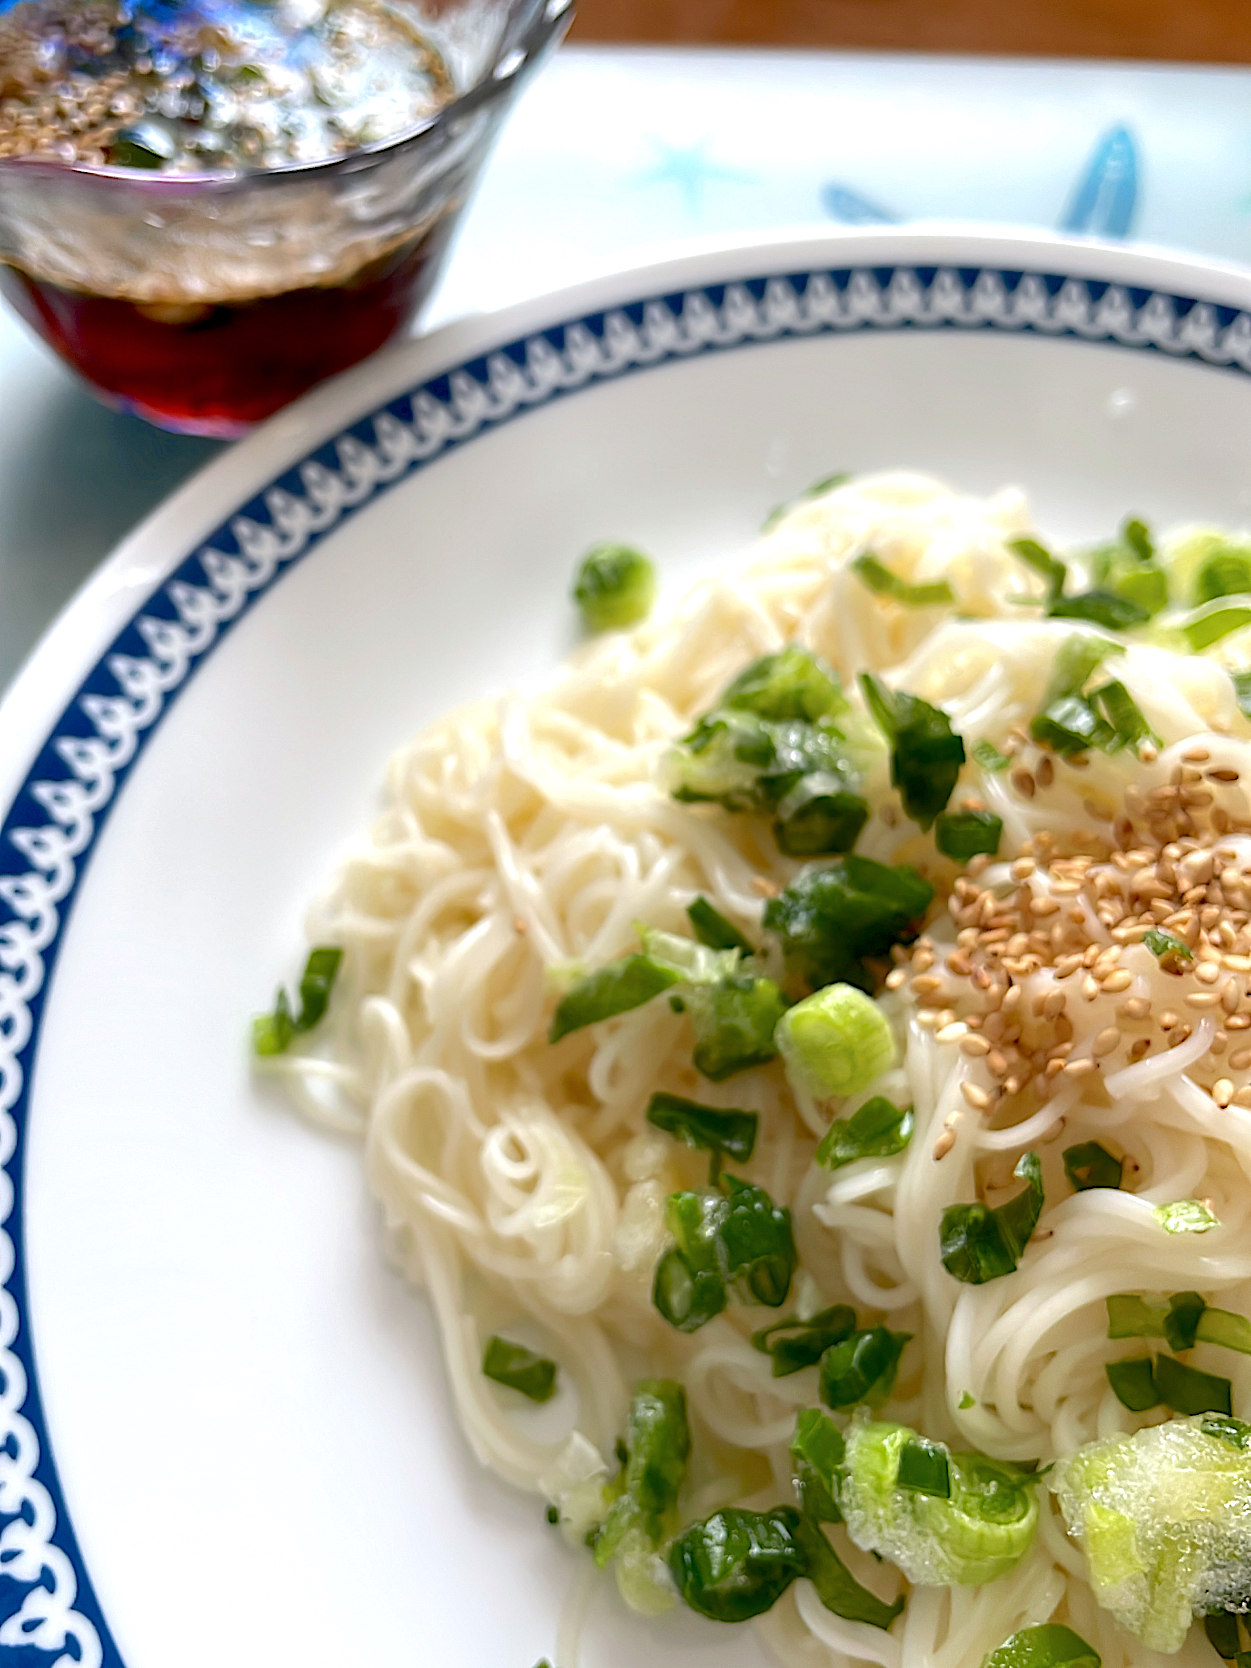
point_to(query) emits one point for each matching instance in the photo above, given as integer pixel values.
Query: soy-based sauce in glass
(226, 89)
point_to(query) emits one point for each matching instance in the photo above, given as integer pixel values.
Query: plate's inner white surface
(247, 1408)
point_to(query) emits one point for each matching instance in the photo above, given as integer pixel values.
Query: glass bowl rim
(497, 80)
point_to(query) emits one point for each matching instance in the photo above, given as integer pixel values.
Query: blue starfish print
(689, 168)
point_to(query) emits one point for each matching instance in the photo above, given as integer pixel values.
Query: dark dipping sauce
(228, 91)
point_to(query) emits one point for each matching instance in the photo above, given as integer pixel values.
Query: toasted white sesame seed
(976, 1096)
(1106, 1041)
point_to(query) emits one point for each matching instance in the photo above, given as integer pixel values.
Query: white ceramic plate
(226, 1433)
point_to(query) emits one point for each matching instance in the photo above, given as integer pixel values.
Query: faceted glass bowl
(206, 302)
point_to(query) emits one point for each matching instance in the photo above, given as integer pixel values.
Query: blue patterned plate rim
(76, 721)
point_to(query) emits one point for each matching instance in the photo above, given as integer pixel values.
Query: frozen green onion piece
(1181, 1322)
(1052, 570)
(835, 1042)
(757, 1244)
(989, 757)
(1133, 1317)
(884, 583)
(1210, 626)
(962, 835)
(861, 1368)
(1050, 1646)
(829, 918)
(1224, 572)
(827, 483)
(615, 587)
(967, 1400)
(794, 1344)
(822, 813)
(1162, 944)
(1185, 1216)
(1089, 1165)
(712, 1128)
(1133, 1383)
(979, 1244)
(1128, 567)
(689, 1285)
(1067, 721)
(837, 1588)
(273, 1033)
(657, 1445)
(923, 1466)
(926, 754)
(712, 928)
(878, 1129)
(611, 990)
(1223, 1327)
(1221, 1627)
(737, 1563)
(1164, 1519)
(977, 1532)
(817, 1448)
(519, 1368)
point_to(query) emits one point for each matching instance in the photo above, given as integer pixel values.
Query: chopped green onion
(1165, 945)
(979, 1244)
(1043, 562)
(1050, 1646)
(1101, 608)
(820, 814)
(711, 1128)
(1221, 1627)
(737, 1564)
(795, 1344)
(1221, 1326)
(520, 1369)
(1123, 713)
(924, 1468)
(827, 483)
(1128, 567)
(1067, 722)
(789, 685)
(926, 754)
(273, 1033)
(1224, 572)
(837, 1588)
(817, 1449)
(827, 919)
(657, 1446)
(1137, 536)
(615, 587)
(963, 834)
(735, 1019)
(1133, 1383)
(1090, 1165)
(1133, 1317)
(611, 990)
(1242, 691)
(878, 1129)
(1185, 1216)
(712, 928)
(757, 1244)
(1187, 1390)
(989, 757)
(862, 1367)
(967, 1400)
(835, 1042)
(1203, 630)
(1181, 1322)
(882, 582)
(689, 1285)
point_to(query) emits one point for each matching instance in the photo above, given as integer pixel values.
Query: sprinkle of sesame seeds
(1196, 755)
(1238, 1022)
(946, 1141)
(764, 887)
(1222, 1091)
(1044, 772)
(1201, 999)
(1079, 1068)
(1134, 1007)
(951, 1033)
(1222, 775)
(974, 1045)
(1023, 782)
(976, 1096)
(895, 978)
(1138, 1048)
(1107, 1040)
(1240, 1059)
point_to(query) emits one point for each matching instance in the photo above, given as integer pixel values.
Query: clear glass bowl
(206, 302)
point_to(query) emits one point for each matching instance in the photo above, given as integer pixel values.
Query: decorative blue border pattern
(47, 1604)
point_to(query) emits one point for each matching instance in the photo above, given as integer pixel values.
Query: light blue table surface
(612, 151)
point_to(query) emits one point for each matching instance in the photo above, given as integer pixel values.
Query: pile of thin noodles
(522, 1187)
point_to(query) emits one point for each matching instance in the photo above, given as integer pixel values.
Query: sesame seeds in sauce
(1035, 993)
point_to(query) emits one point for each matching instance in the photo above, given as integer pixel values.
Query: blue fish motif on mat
(849, 206)
(1104, 198)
